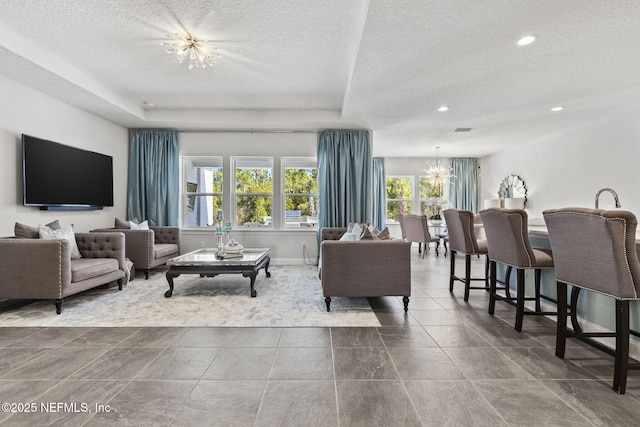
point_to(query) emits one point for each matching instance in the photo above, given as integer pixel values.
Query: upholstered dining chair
(508, 244)
(414, 228)
(583, 264)
(462, 239)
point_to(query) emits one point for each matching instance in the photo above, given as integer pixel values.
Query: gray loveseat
(43, 269)
(364, 268)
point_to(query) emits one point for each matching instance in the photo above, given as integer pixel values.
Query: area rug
(291, 297)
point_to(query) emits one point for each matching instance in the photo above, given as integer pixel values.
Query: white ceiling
(385, 65)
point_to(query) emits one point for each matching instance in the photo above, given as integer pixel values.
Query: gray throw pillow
(121, 224)
(23, 231)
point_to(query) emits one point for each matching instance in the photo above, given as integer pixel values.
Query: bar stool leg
(622, 347)
(519, 299)
(492, 291)
(538, 274)
(561, 330)
(486, 273)
(467, 275)
(453, 270)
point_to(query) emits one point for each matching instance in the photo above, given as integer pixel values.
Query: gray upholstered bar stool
(462, 239)
(595, 250)
(508, 244)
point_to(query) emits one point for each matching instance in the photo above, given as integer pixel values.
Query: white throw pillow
(65, 232)
(348, 237)
(144, 225)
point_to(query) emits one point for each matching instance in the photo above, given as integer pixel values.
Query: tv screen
(59, 176)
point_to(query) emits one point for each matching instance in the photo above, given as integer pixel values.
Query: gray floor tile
(9, 335)
(145, 403)
(221, 403)
(363, 363)
(595, 401)
(528, 403)
(456, 336)
(102, 337)
(50, 337)
(21, 391)
(480, 317)
(424, 364)
(302, 364)
(451, 403)
(423, 303)
(485, 363)
(204, 337)
(407, 336)
(157, 337)
(305, 337)
(298, 403)
(118, 363)
(59, 363)
(241, 364)
(12, 358)
(506, 336)
(396, 318)
(180, 364)
(439, 317)
(375, 403)
(255, 337)
(542, 363)
(355, 337)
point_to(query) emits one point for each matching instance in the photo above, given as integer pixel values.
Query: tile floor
(446, 362)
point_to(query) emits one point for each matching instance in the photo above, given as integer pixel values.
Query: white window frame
(208, 161)
(291, 163)
(411, 200)
(251, 161)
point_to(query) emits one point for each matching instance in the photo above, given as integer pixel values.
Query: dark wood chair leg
(452, 270)
(492, 291)
(467, 276)
(327, 301)
(405, 301)
(119, 284)
(621, 366)
(538, 275)
(519, 299)
(146, 274)
(486, 273)
(59, 305)
(561, 329)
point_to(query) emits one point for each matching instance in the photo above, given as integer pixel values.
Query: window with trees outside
(253, 191)
(399, 196)
(429, 191)
(202, 190)
(300, 188)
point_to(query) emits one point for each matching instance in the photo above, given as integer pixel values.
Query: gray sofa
(43, 269)
(149, 248)
(363, 268)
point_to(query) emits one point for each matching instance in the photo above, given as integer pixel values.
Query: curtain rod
(247, 131)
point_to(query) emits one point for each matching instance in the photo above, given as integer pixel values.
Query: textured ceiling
(380, 65)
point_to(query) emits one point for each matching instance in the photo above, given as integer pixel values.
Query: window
(253, 191)
(428, 191)
(300, 188)
(399, 195)
(202, 190)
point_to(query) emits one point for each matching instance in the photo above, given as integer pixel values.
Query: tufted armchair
(149, 248)
(43, 269)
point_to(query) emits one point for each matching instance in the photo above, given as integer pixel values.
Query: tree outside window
(431, 202)
(202, 189)
(300, 192)
(399, 196)
(253, 191)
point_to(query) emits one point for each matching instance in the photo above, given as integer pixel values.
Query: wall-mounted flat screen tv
(59, 177)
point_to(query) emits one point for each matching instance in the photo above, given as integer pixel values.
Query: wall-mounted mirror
(513, 187)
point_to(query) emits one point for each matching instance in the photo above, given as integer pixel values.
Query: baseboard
(290, 261)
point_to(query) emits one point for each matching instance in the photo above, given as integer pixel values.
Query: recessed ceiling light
(526, 40)
(443, 108)
(558, 108)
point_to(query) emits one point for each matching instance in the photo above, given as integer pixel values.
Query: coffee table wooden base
(213, 270)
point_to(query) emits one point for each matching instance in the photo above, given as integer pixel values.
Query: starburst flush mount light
(200, 52)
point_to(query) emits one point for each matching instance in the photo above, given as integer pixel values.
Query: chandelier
(438, 172)
(200, 52)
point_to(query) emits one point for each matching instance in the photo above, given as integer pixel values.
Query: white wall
(568, 168)
(285, 245)
(25, 110)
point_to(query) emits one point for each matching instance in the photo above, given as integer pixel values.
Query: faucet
(615, 196)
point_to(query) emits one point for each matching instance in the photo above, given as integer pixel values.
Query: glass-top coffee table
(205, 262)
